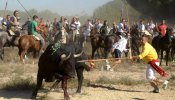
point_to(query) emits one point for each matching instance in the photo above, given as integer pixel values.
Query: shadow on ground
(15, 94)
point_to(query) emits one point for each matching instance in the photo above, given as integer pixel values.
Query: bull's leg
(80, 78)
(64, 87)
(161, 57)
(38, 86)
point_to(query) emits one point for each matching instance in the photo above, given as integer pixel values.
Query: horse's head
(94, 31)
(44, 31)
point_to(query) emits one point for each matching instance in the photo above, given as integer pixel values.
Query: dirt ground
(94, 91)
(98, 91)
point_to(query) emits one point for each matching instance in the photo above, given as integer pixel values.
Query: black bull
(61, 66)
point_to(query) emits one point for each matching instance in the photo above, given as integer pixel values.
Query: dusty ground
(94, 91)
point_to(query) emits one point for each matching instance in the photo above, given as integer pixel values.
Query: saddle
(11, 33)
(36, 38)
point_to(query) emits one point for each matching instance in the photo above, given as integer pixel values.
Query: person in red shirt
(162, 28)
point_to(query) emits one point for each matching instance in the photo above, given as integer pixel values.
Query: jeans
(42, 40)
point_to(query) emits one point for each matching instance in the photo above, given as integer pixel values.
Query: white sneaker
(108, 67)
(165, 84)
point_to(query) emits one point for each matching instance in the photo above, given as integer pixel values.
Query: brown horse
(97, 41)
(28, 43)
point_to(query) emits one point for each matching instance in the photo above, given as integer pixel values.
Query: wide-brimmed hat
(147, 33)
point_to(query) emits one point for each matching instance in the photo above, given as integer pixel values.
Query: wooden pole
(98, 60)
(129, 38)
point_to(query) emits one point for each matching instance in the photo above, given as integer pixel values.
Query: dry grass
(19, 83)
(123, 80)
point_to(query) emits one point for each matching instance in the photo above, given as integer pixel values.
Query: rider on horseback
(14, 20)
(33, 28)
(162, 28)
(141, 27)
(104, 29)
(121, 27)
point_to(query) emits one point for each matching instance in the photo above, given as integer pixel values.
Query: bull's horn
(78, 55)
(64, 57)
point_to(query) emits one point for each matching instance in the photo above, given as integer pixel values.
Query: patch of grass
(19, 83)
(129, 81)
(106, 80)
(122, 80)
(45, 97)
(73, 83)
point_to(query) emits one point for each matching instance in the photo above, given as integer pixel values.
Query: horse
(109, 42)
(162, 44)
(97, 41)
(28, 43)
(135, 41)
(6, 41)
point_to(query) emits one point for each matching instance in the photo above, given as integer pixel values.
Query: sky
(62, 7)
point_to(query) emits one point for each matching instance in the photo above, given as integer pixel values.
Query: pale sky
(62, 7)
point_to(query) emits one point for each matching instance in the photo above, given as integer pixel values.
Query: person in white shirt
(1, 19)
(150, 27)
(98, 25)
(141, 27)
(119, 47)
(73, 28)
(121, 28)
(88, 26)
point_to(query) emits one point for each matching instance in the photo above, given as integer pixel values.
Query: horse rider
(1, 22)
(8, 24)
(114, 29)
(14, 20)
(104, 29)
(33, 28)
(41, 23)
(150, 27)
(98, 25)
(88, 26)
(149, 54)
(141, 27)
(73, 28)
(162, 28)
(61, 34)
(26, 23)
(121, 28)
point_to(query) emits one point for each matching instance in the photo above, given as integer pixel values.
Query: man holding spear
(149, 54)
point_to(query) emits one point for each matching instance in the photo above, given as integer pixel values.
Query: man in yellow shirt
(149, 54)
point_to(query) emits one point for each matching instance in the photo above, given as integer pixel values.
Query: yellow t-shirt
(149, 53)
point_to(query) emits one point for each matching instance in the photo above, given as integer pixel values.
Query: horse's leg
(167, 57)
(93, 52)
(80, 78)
(64, 87)
(38, 86)
(22, 54)
(161, 57)
(172, 54)
(34, 56)
(2, 53)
